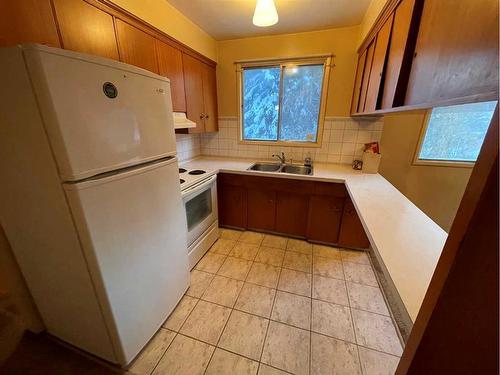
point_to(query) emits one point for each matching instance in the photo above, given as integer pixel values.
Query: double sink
(282, 168)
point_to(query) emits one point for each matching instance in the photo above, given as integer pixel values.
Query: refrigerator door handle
(119, 173)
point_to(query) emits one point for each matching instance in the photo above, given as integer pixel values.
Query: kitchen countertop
(407, 241)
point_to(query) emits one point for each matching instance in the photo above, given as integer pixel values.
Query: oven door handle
(198, 187)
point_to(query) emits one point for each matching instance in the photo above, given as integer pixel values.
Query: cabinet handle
(202, 116)
(206, 117)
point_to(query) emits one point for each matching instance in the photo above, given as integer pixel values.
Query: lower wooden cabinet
(232, 205)
(261, 209)
(352, 233)
(318, 211)
(291, 213)
(325, 215)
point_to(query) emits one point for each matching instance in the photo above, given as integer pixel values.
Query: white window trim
(321, 59)
(435, 163)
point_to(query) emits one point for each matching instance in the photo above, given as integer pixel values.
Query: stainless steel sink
(296, 169)
(265, 167)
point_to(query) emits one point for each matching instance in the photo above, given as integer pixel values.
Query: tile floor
(263, 304)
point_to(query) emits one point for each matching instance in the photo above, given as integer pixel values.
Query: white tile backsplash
(342, 141)
(188, 146)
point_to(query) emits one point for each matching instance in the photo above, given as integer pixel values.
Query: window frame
(326, 60)
(435, 163)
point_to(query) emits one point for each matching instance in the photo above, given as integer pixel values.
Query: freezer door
(100, 115)
(133, 231)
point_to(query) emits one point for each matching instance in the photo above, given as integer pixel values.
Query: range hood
(182, 122)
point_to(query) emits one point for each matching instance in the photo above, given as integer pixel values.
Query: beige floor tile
(360, 273)
(223, 291)
(330, 290)
(277, 242)
(377, 363)
(376, 332)
(199, 283)
(250, 237)
(235, 268)
(268, 370)
(185, 356)
(244, 334)
(230, 234)
(327, 267)
(225, 363)
(245, 251)
(264, 274)
(355, 256)
(295, 282)
(152, 353)
(287, 348)
(326, 251)
(297, 261)
(270, 255)
(332, 320)
(223, 246)
(299, 246)
(210, 262)
(332, 356)
(367, 298)
(256, 299)
(292, 309)
(206, 322)
(180, 313)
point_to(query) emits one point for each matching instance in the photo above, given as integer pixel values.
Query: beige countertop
(405, 239)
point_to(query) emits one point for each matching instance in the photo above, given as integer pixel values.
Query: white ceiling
(230, 19)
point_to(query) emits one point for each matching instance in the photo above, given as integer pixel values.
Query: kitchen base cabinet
(291, 213)
(261, 209)
(325, 215)
(352, 233)
(317, 211)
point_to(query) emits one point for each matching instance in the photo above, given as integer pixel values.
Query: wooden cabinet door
(232, 205)
(366, 77)
(136, 47)
(379, 55)
(261, 208)
(209, 98)
(85, 28)
(292, 213)
(27, 21)
(456, 55)
(325, 214)
(400, 55)
(357, 84)
(352, 233)
(170, 66)
(193, 83)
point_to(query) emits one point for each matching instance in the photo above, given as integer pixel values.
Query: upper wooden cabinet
(136, 47)
(170, 66)
(378, 64)
(85, 28)
(27, 21)
(201, 94)
(428, 53)
(456, 55)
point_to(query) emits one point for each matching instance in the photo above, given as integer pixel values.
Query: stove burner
(182, 181)
(197, 171)
(182, 170)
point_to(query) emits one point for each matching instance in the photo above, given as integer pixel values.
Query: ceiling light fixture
(265, 13)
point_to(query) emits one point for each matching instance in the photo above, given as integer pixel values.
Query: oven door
(200, 203)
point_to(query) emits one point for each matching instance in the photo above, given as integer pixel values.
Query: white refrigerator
(90, 196)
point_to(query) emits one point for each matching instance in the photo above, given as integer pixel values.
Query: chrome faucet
(281, 157)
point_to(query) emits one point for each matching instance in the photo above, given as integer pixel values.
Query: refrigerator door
(133, 232)
(100, 114)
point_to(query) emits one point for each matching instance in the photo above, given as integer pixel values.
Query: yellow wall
(341, 42)
(369, 18)
(435, 190)
(165, 17)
